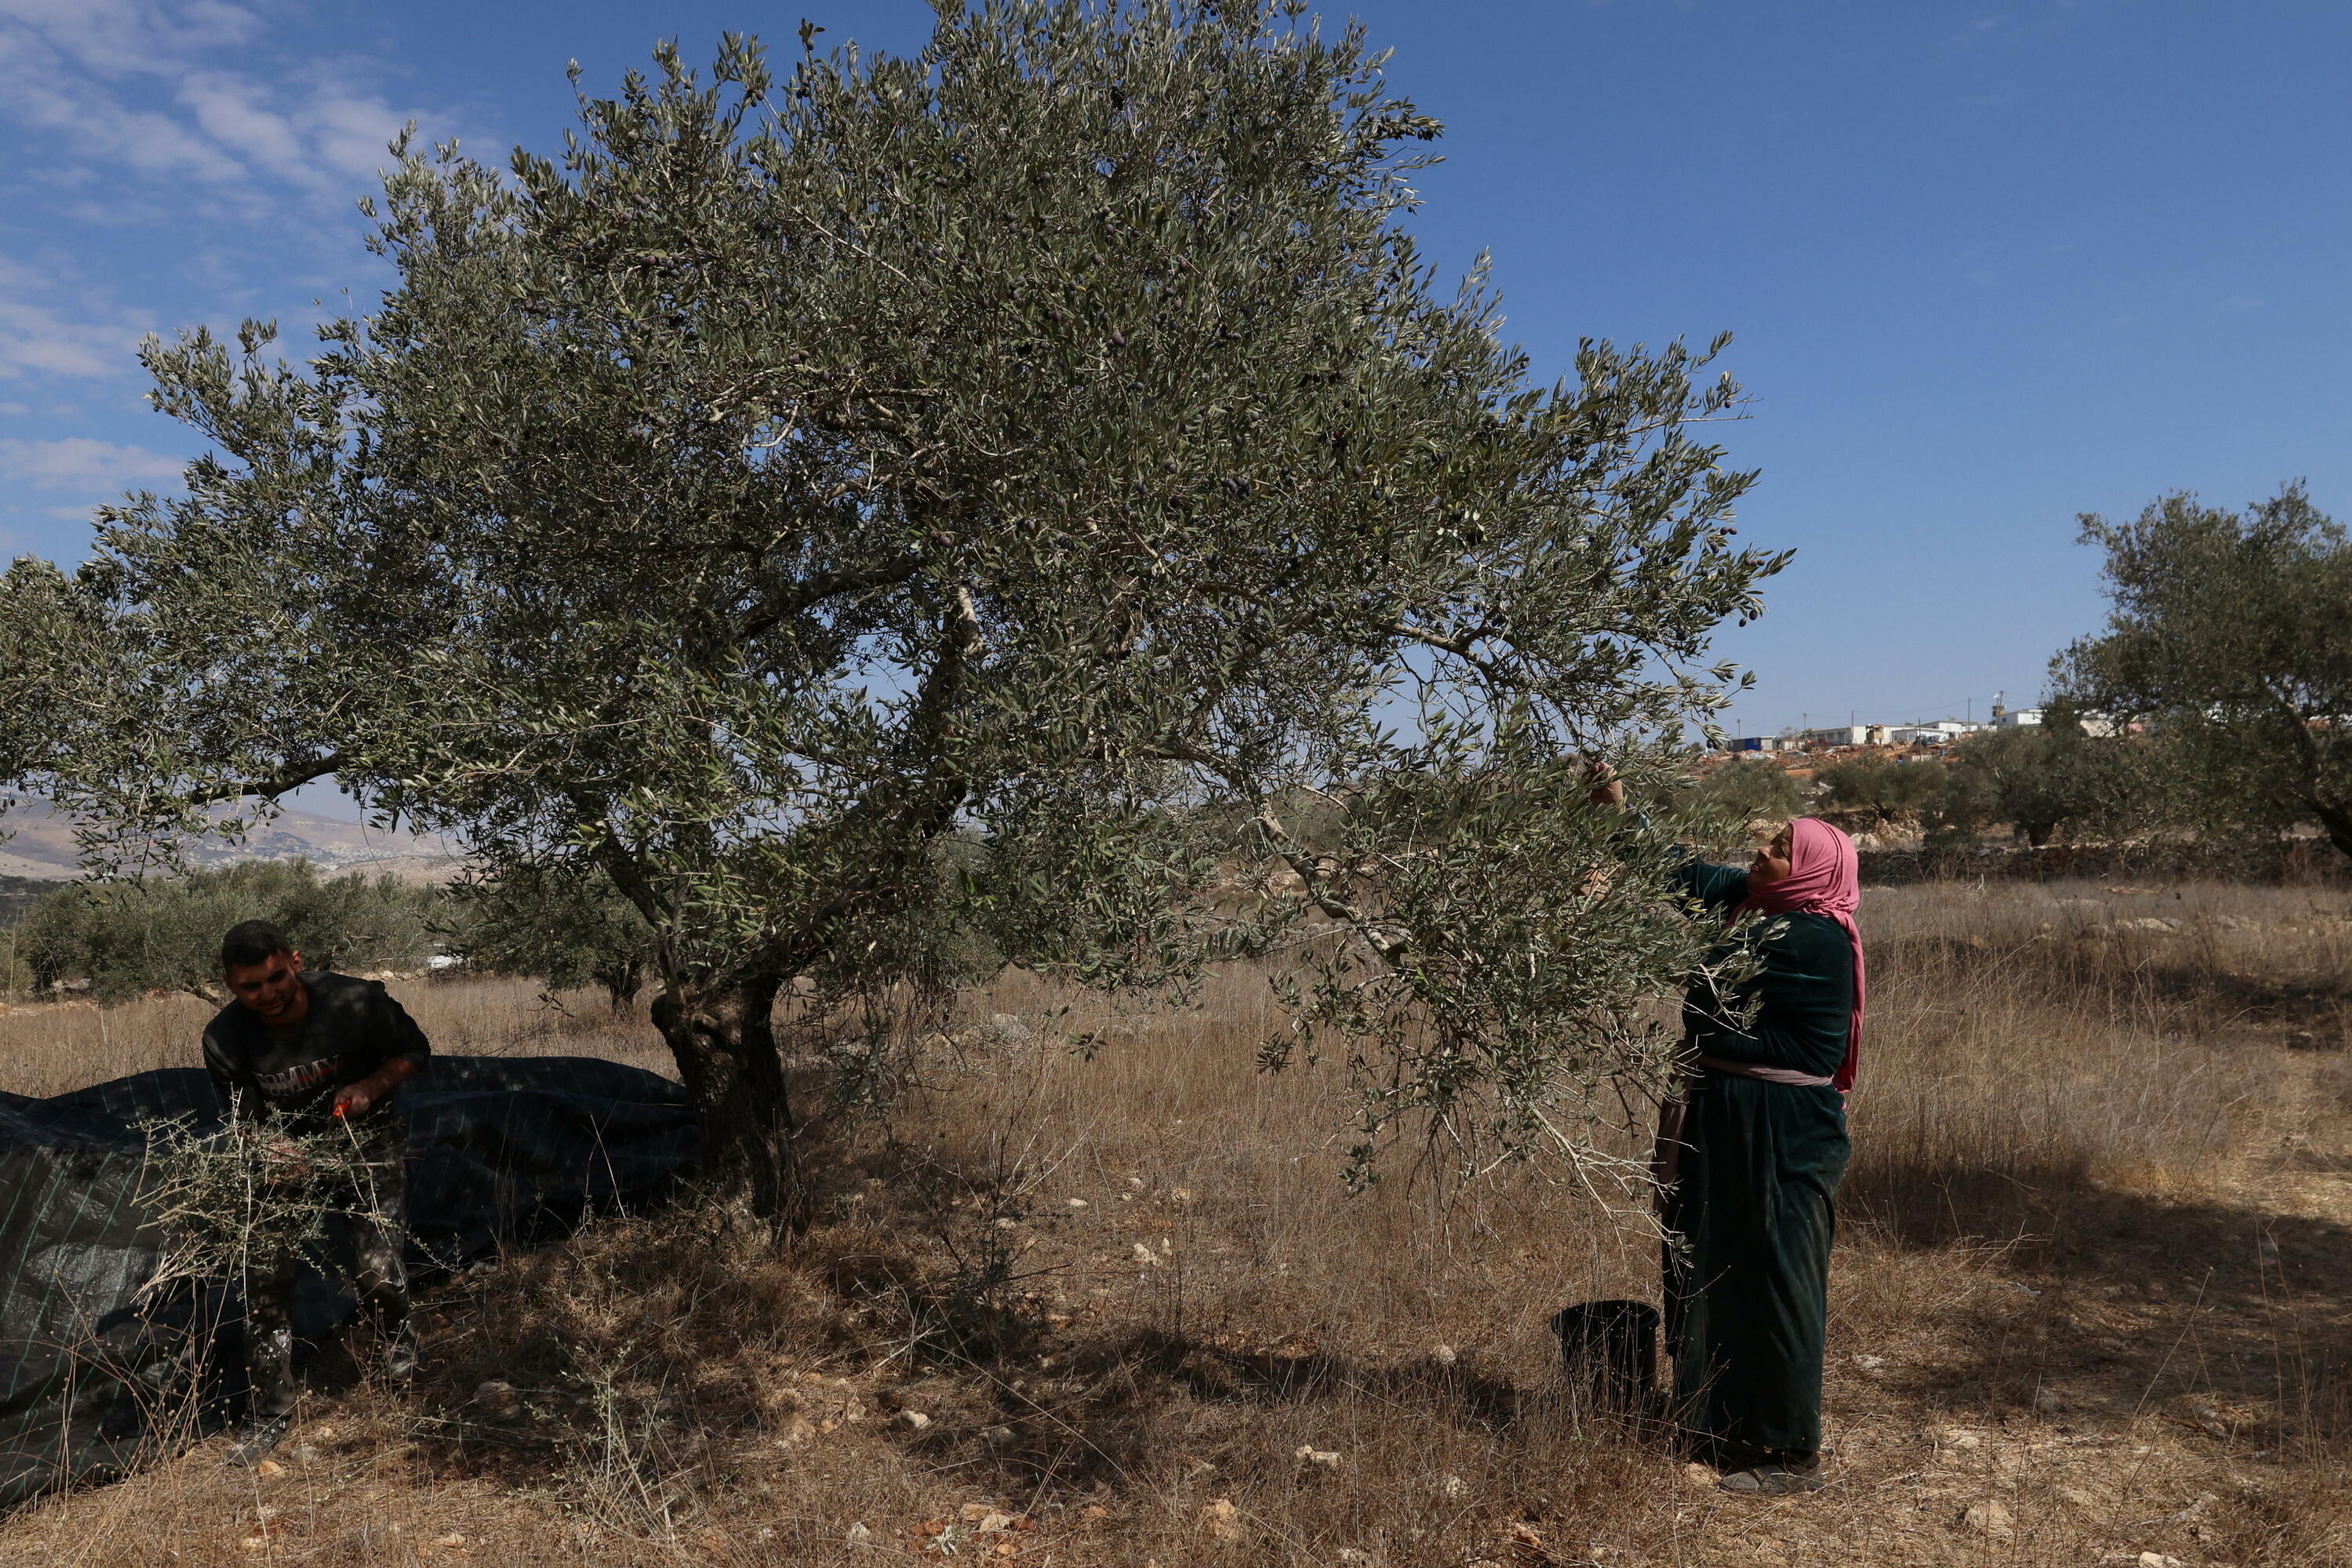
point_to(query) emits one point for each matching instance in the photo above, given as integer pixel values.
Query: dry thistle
(249, 1191)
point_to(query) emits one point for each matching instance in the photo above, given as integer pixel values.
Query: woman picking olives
(1751, 1156)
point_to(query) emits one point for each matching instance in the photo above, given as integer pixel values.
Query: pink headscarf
(1825, 878)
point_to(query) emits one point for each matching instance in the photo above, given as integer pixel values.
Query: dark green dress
(1747, 1297)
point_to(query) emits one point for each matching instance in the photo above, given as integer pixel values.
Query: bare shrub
(225, 1197)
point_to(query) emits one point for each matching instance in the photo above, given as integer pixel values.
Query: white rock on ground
(498, 1399)
(1991, 1520)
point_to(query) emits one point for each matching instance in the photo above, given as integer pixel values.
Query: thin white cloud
(47, 330)
(165, 87)
(349, 131)
(80, 462)
(36, 342)
(123, 36)
(232, 111)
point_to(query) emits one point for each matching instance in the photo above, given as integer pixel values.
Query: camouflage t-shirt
(354, 1026)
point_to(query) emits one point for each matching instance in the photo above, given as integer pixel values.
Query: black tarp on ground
(500, 1147)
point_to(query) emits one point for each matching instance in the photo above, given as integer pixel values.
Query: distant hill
(36, 843)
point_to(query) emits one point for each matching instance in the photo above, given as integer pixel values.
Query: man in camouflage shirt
(305, 1052)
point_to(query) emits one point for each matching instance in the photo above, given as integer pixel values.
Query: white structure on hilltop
(1841, 735)
(2013, 718)
(1937, 733)
(1926, 732)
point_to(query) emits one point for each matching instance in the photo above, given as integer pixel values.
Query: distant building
(2015, 718)
(1840, 735)
(1932, 734)
(1755, 743)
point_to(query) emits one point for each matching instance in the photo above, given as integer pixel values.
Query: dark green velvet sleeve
(1719, 888)
(1712, 887)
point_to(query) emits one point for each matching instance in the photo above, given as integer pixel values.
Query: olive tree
(1022, 488)
(1892, 792)
(1727, 805)
(2049, 781)
(566, 930)
(2231, 640)
(163, 934)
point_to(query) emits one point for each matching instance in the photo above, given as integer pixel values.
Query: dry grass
(2094, 1270)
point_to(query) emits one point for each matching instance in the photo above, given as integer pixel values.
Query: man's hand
(355, 1100)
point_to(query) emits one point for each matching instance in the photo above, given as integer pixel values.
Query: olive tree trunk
(723, 1037)
(2335, 821)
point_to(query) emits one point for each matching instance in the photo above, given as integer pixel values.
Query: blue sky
(1987, 267)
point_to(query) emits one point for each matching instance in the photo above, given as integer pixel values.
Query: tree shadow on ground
(2228, 1318)
(2248, 1000)
(1123, 1405)
(1451, 1392)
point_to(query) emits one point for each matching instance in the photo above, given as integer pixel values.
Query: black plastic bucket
(1610, 1352)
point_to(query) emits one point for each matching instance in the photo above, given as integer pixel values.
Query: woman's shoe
(1777, 1476)
(400, 1355)
(259, 1436)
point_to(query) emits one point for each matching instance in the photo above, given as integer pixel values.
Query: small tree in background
(1729, 802)
(2049, 781)
(1049, 443)
(163, 934)
(2231, 638)
(1891, 792)
(565, 931)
